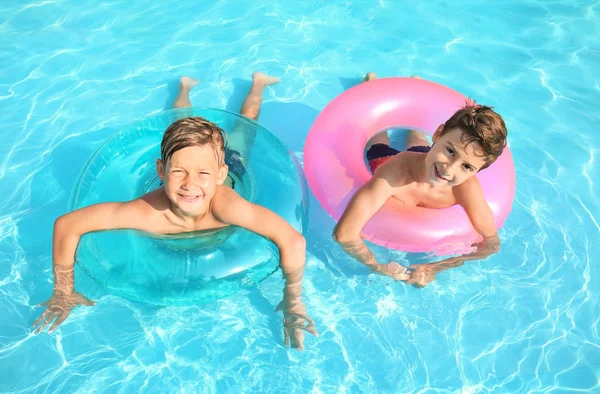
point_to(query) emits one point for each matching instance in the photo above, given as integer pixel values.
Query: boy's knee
(251, 115)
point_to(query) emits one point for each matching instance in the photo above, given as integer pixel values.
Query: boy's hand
(230, 208)
(392, 269)
(59, 308)
(295, 320)
(422, 275)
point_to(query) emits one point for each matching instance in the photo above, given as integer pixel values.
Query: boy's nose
(189, 182)
(186, 183)
(451, 168)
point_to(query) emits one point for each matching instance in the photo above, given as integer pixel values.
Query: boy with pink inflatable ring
(441, 176)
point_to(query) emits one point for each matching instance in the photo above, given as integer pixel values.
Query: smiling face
(192, 164)
(191, 177)
(451, 160)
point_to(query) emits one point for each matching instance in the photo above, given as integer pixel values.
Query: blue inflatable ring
(194, 267)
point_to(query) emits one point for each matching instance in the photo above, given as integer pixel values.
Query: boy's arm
(470, 196)
(232, 209)
(68, 229)
(363, 205)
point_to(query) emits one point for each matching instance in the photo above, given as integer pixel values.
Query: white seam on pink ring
(335, 168)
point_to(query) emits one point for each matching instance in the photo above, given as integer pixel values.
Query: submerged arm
(363, 205)
(68, 230)
(233, 209)
(470, 196)
(486, 248)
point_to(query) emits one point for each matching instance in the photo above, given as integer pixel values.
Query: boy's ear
(160, 168)
(437, 133)
(223, 171)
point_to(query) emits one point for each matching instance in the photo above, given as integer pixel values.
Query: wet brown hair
(193, 131)
(482, 125)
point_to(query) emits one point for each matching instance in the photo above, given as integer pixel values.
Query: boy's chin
(436, 183)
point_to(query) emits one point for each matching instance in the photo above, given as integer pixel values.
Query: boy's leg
(183, 98)
(242, 135)
(416, 138)
(252, 103)
(369, 77)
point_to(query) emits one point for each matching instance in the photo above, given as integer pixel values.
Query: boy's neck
(418, 173)
(188, 221)
(418, 169)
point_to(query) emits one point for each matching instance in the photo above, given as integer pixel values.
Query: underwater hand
(393, 269)
(295, 322)
(422, 275)
(59, 306)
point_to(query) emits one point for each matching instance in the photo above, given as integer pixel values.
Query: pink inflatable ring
(335, 167)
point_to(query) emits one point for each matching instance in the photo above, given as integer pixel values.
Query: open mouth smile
(189, 198)
(438, 175)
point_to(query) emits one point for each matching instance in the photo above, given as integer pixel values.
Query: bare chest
(169, 223)
(427, 197)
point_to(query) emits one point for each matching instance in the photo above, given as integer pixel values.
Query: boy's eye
(467, 167)
(177, 172)
(450, 150)
(205, 173)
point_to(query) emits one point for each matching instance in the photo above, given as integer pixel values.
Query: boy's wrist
(64, 279)
(373, 264)
(292, 292)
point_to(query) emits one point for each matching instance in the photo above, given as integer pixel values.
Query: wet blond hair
(193, 131)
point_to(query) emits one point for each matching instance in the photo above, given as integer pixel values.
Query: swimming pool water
(524, 320)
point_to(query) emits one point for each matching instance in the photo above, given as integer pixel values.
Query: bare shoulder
(225, 195)
(227, 203)
(149, 211)
(397, 171)
(470, 196)
(469, 193)
(154, 202)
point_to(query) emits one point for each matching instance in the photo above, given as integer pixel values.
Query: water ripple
(524, 320)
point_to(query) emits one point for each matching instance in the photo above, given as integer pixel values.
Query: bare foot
(260, 78)
(186, 83)
(369, 77)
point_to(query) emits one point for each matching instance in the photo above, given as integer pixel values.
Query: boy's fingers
(39, 319)
(45, 323)
(310, 327)
(298, 339)
(312, 330)
(286, 337)
(58, 321)
(88, 302)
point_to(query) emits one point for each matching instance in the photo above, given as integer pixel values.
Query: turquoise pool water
(524, 320)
